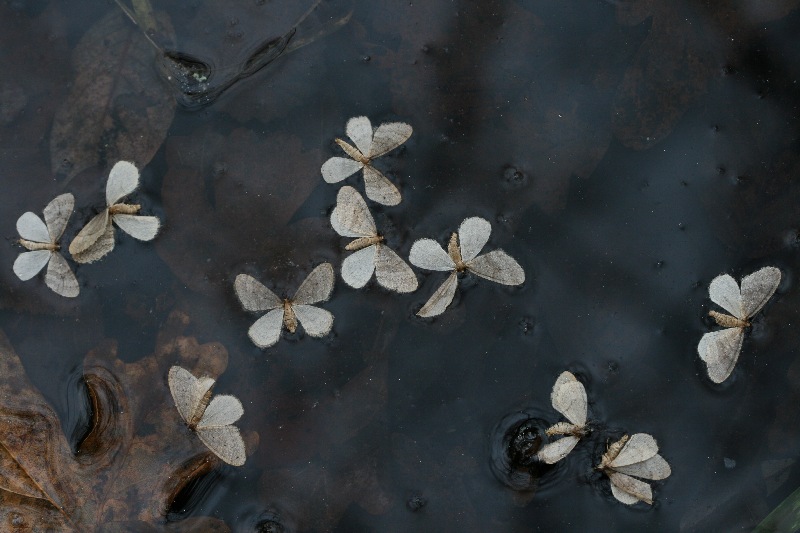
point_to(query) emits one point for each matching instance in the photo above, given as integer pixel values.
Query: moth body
(33, 246)
(124, 209)
(289, 318)
(363, 242)
(728, 321)
(199, 410)
(353, 152)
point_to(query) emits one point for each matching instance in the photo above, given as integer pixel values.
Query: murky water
(625, 153)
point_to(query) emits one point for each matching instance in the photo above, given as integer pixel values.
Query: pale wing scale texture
(60, 277)
(552, 452)
(655, 468)
(359, 129)
(358, 267)
(57, 213)
(336, 169)
(266, 331)
(570, 400)
(499, 267)
(759, 287)
(315, 321)
(225, 442)
(473, 234)
(122, 180)
(98, 249)
(30, 227)
(317, 286)
(222, 410)
(639, 447)
(139, 227)
(388, 137)
(724, 291)
(28, 264)
(720, 351)
(254, 295)
(428, 254)
(90, 233)
(182, 385)
(630, 490)
(563, 378)
(440, 299)
(378, 187)
(351, 217)
(392, 272)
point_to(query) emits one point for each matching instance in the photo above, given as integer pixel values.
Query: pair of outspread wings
(266, 331)
(59, 277)
(214, 427)
(368, 146)
(720, 349)
(569, 399)
(351, 218)
(638, 458)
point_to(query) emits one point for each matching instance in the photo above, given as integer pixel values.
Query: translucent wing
(473, 234)
(336, 169)
(654, 468)
(317, 322)
(28, 264)
(569, 399)
(759, 287)
(499, 267)
(359, 129)
(138, 227)
(553, 452)
(30, 227)
(639, 447)
(351, 217)
(122, 180)
(222, 410)
(100, 248)
(60, 277)
(440, 299)
(720, 351)
(392, 272)
(428, 254)
(254, 295)
(90, 233)
(724, 291)
(379, 189)
(57, 213)
(317, 286)
(358, 267)
(388, 137)
(187, 390)
(630, 490)
(225, 442)
(266, 331)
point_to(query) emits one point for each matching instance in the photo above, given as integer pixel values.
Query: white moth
(720, 349)
(351, 218)
(211, 418)
(96, 239)
(569, 399)
(462, 255)
(266, 331)
(630, 458)
(41, 238)
(368, 146)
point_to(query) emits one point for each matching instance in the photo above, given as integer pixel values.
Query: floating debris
(351, 218)
(266, 331)
(96, 239)
(633, 456)
(462, 255)
(42, 241)
(211, 418)
(569, 399)
(368, 146)
(720, 349)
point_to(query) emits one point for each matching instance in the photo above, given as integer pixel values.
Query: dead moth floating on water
(266, 331)
(211, 418)
(720, 349)
(628, 459)
(96, 239)
(41, 238)
(569, 399)
(462, 255)
(368, 146)
(351, 218)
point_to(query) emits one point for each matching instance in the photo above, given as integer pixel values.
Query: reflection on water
(625, 154)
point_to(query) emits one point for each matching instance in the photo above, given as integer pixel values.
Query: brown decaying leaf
(118, 107)
(136, 459)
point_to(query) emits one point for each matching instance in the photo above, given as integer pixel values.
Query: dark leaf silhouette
(136, 459)
(118, 107)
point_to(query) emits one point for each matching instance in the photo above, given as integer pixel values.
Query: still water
(625, 152)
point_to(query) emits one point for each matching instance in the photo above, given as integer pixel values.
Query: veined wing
(379, 189)
(187, 390)
(724, 291)
(28, 264)
(758, 288)
(499, 267)
(569, 399)
(222, 410)
(336, 169)
(351, 216)
(254, 295)
(57, 213)
(720, 351)
(316, 322)
(388, 137)
(266, 331)
(317, 286)
(122, 180)
(90, 233)
(440, 299)
(139, 227)
(98, 249)
(358, 267)
(553, 452)
(473, 234)
(428, 254)
(392, 272)
(640, 447)
(654, 468)
(225, 442)
(629, 490)
(359, 129)
(60, 277)
(31, 228)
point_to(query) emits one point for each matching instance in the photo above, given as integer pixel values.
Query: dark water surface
(626, 152)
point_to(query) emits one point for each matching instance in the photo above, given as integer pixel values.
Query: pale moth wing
(758, 288)
(316, 321)
(724, 291)
(122, 180)
(655, 468)
(336, 169)
(60, 277)
(266, 331)
(31, 228)
(225, 442)
(97, 228)
(57, 213)
(187, 390)
(379, 189)
(392, 272)
(222, 410)
(359, 129)
(639, 447)
(553, 452)
(351, 217)
(569, 398)
(440, 299)
(473, 234)
(720, 351)
(388, 137)
(254, 295)
(357, 268)
(499, 267)
(629, 490)
(428, 254)
(143, 228)
(98, 249)
(28, 264)
(317, 287)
